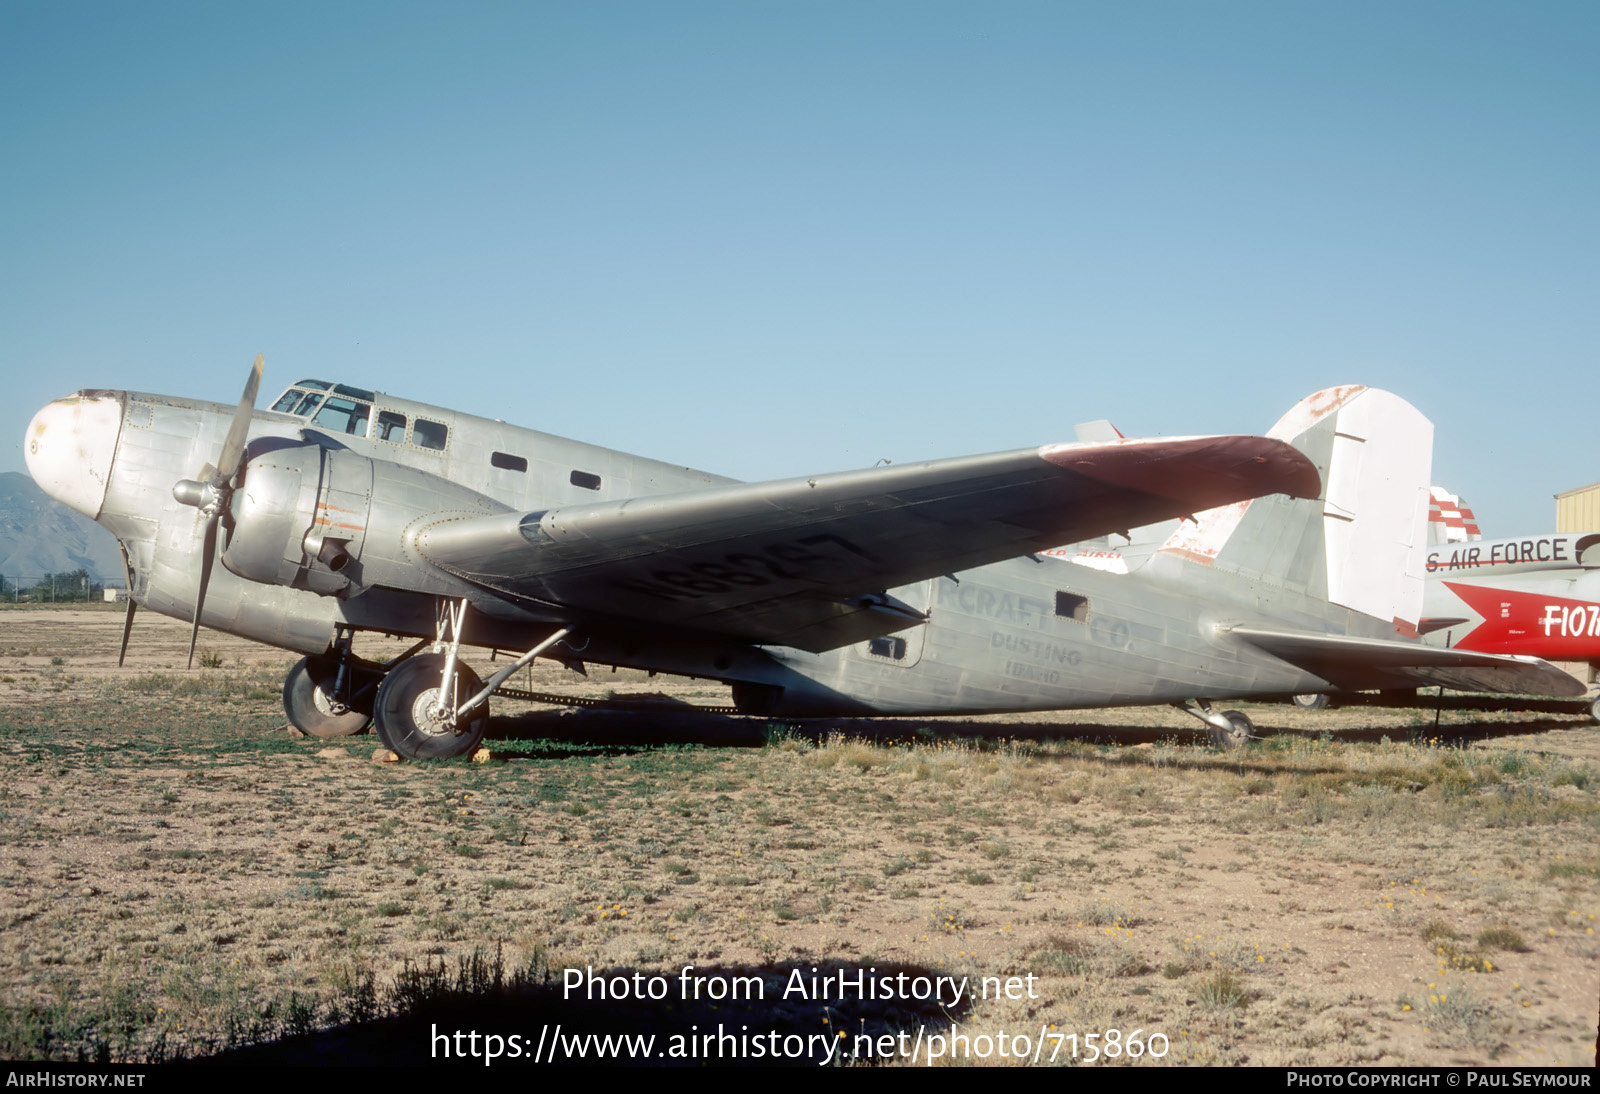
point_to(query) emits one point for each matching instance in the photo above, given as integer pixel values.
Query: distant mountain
(39, 535)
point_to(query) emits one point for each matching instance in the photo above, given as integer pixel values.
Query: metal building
(1578, 510)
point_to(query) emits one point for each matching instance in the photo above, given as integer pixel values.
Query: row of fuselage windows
(341, 409)
(505, 461)
(1068, 606)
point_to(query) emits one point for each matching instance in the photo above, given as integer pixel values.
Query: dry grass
(178, 876)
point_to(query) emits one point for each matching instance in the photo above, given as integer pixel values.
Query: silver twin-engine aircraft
(914, 589)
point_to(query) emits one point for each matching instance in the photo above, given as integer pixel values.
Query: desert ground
(181, 877)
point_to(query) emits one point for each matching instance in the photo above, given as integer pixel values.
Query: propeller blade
(127, 629)
(238, 432)
(208, 554)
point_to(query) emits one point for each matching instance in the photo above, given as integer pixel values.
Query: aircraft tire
(1315, 700)
(1237, 735)
(307, 705)
(404, 711)
(1594, 710)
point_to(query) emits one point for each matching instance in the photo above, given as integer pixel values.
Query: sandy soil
(1293, 904)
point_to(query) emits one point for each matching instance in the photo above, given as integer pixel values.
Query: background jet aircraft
(901, 589)
(1533, 595)
(1449, 519)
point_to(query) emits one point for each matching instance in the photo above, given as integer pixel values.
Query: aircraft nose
(70, 445)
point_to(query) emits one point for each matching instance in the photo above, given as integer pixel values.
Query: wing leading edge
(804, 562)
(1356, 663)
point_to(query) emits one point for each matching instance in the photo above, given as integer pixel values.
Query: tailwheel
(1238, 733)
(312, 704)
(412, 721)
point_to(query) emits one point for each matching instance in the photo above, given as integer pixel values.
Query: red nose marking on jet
(1535, 624)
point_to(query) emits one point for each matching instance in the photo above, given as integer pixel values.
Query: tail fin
(1100, 431)
(1360, 545)
(1449, 519)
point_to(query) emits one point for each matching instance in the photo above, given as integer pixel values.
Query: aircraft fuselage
(1054, 635)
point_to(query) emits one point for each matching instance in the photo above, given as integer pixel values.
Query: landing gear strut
(418, 712)
(326, 696)
(416, 716)
(433, 706)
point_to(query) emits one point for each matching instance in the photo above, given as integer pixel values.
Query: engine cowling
(299, 517)
(334, 522)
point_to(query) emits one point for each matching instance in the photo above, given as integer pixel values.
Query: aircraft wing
(1364, 663)
(805, 562)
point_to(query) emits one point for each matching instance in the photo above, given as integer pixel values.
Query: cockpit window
(301, 399)
(341, 415)
(300, 403)
(339, 408)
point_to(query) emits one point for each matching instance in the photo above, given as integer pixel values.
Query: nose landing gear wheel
(407, 713)
(310, 705)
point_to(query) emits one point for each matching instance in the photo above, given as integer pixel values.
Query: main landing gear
(417, 709)
(331, 694)
(424, 705)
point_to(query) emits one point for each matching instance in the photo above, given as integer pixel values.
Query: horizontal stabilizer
(1357, 664)
(804, 562)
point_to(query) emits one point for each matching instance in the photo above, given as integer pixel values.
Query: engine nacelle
(287, 497)
(334, 522)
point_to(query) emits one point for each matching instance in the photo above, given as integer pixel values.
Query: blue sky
(776, 238)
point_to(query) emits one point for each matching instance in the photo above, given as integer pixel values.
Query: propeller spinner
(211, 492)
